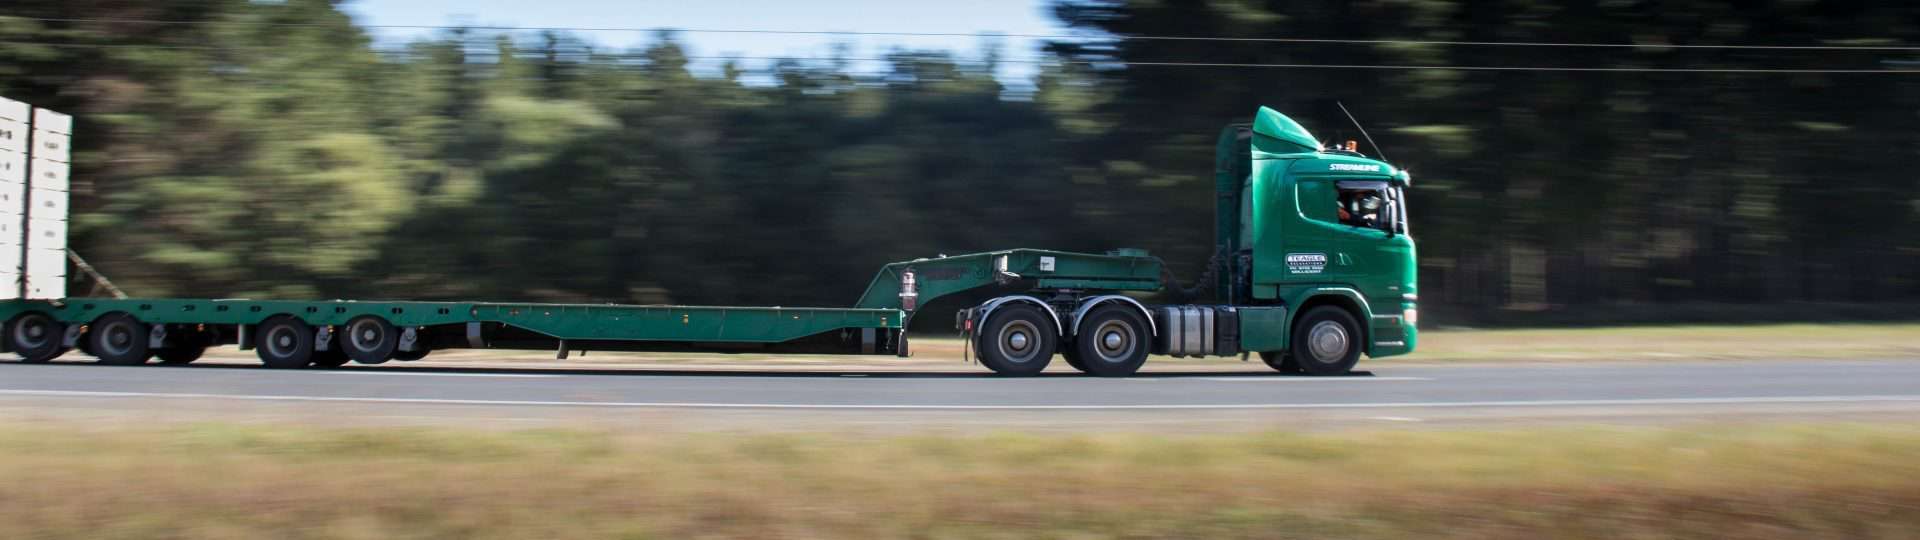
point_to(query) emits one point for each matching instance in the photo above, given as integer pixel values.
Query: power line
(1126, 63)
(1323, 41)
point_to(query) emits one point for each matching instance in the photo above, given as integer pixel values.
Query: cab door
(1314, 246)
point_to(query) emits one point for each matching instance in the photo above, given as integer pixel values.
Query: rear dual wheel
(284, 342)
(1017, 340)
(36, 337)
(1112, 342)
(368, 339)
(119, 339)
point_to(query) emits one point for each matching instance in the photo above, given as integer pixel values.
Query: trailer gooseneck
(1312, 268)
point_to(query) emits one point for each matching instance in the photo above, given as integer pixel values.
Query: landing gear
(1017, 340)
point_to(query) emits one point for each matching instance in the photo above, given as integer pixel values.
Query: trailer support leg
(563, 351)
(474, 338)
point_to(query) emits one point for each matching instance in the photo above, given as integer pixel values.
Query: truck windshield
(1373, 205)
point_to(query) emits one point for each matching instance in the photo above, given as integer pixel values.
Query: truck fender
(1365, 315)
(986, 310)
(1088, 305)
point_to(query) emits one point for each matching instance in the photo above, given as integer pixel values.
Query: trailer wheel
(408, 356)
(1112, 342)
(368, 339)
(333, 357)
(1280, 361)
(1326, 341)
(284, 342)
(36, 337)
(118, 339)
(187, 345)
(1017, 340)
(180, 355)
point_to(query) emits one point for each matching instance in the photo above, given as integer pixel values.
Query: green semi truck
(1312, 268)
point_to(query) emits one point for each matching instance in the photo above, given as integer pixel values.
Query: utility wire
(1023, 36)
(1129, 63)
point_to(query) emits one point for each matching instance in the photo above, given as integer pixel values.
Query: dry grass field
(218, 481)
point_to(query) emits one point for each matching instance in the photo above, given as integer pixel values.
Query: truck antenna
(1363, 131)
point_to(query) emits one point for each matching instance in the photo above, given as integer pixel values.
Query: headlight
(1413, 317)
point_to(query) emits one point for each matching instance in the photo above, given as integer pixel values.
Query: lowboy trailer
(1312, 268)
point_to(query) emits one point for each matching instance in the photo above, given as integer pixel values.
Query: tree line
(275, 150)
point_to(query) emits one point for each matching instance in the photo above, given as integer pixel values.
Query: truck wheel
(187, 345)
(118, 339)
(368, 339)
(180, 355)
(36, 337)
(1326, 341)
(1280, 361)
(1112, 342)
(1073, 358)
(409, 356)
(333, 357)
(1017, 340)
(284, 342)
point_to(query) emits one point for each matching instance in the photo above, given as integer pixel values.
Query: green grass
(228, 481)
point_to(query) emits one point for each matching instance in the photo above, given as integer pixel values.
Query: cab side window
(1318, 200)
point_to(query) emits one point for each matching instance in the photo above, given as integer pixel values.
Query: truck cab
(1312, 226)
(1312, 267)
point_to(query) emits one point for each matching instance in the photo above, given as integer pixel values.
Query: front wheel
(1326, 341)
(1017, 340)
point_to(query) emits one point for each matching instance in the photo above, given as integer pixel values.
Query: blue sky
(966, 16)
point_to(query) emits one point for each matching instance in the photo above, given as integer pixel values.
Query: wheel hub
(1019, 341)
(1112, 341)
(1327, 341)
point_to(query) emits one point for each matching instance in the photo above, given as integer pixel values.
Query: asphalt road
(1390, 393)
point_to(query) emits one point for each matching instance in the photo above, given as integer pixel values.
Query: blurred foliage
(230, 159)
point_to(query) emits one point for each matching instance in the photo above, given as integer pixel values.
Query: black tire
(331, 358)
(1073, 358)
(1280, 361)
(368, 339)
(1338, 348)
(408, 356)
(181, 354)
(36, 337)
(118, 339)
(1017, 340)
(186, 344)
(284, 342)
(1112, 341)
